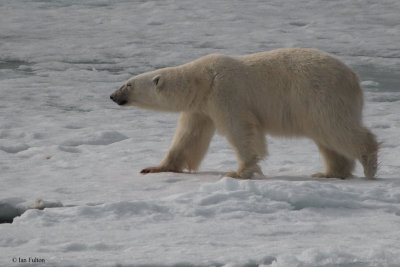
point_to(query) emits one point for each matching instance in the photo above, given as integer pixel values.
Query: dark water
(387, 80)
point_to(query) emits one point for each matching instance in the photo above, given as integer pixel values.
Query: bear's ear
(156, 80)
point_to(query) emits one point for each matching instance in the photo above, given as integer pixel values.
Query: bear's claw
(145, 171)
(150, 170)
(156, 170)
(337, 176)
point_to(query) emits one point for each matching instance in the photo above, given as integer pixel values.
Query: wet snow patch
(96, 139)
(14, 148)
(298, 23)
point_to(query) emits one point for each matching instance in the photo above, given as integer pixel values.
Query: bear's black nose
(120, 101)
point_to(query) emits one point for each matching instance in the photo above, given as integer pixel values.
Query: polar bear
(293, 92)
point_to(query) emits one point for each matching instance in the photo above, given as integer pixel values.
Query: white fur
(284, 92)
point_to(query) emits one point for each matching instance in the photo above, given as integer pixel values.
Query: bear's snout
(118, 98)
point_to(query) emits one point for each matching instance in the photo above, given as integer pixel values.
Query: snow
(70, 158)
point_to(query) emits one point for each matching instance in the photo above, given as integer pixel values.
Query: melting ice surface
(70, 158)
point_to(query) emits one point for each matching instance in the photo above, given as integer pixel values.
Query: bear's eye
(128, 85)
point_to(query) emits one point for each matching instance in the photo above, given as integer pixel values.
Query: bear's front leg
(190, 144)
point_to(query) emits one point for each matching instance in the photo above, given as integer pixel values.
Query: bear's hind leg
(336, 165)
(250, 146)
(368, 155)
(358, 143)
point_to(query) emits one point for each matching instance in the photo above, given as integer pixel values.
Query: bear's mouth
(122, 102)
(117, 100)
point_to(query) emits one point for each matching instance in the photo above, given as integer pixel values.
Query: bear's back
(288, 88)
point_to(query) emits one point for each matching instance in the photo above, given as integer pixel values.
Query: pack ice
(70, 159)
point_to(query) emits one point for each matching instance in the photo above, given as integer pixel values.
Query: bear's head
(166, 89)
